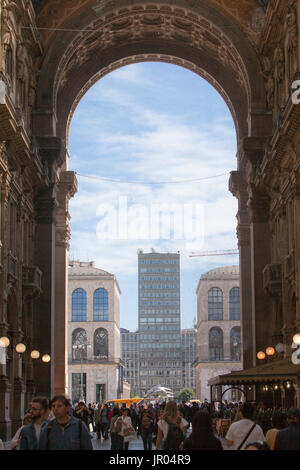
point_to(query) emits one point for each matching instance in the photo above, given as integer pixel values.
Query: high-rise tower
(159, 320)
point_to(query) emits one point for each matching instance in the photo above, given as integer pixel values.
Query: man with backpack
(65, 432)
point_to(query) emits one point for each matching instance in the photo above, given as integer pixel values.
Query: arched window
(234, 303)
(215, 342)
(235, 344)
(215, 304)
(101, 305)
(79, 344)
(79, 305)
(101, 343)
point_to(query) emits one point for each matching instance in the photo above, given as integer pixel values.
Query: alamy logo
(296, 354)
(123, 221)
(296, 93)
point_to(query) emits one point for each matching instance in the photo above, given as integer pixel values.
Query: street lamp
(296, 338)
(270, 351)
(46, 358)
(261, 355)
(35, 354)
(81, 347)
(4, 342)
(20, 348)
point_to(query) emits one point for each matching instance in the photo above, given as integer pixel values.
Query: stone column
(238, 188)
(260, 257)
(43, 323)
(67, 187)
(18, 387)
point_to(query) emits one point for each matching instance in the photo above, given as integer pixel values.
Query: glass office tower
(159, 320)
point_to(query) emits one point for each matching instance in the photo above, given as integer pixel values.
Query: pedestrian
(289, 438)
(127, 431)
(202, 436)
(245, 430)
(104, 422)
(15, 442)
(278, 422)
(97, 418)
(146, 428)
(82, 412)
(39, 412)
(64, 432)
(171, 428)
(115, 429)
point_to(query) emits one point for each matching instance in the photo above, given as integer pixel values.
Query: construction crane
(234, 251)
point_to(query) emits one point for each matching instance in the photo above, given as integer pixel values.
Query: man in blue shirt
(64, 432)
(30, 434)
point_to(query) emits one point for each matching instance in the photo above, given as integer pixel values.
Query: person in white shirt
(15, 442)
(238, 431)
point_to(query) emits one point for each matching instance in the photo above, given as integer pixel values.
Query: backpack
(174, 437)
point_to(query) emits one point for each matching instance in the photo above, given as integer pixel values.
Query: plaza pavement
(137, 444)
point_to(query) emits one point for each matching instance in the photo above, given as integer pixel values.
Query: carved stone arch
(197, 36)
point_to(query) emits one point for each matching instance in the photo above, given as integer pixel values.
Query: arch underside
(215, 50)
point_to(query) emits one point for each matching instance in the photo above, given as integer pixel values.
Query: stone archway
(200, 37)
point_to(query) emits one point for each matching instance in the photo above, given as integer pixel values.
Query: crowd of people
(59, 425)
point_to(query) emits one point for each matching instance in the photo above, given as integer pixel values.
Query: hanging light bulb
(20, 348)
(270, 351)
(46, 358)
(35, 354)
(296, 338)
(261, 355)
(4, 342)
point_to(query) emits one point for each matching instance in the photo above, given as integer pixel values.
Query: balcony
(272, 279)
(31, 280)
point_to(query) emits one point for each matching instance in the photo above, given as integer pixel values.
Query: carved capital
(63, 236)
(50, 149)
(67, 185)
(253, 149)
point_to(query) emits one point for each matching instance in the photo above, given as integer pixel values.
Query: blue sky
(138, 141)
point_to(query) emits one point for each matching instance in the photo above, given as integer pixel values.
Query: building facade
(95, 369)
(159, 320)
(218, 328)
(189, 356)
(130, 354)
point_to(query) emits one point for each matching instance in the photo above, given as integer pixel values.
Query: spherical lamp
(296, 338)
(46, 358)
(35, 354)
(20, 348)
(270, 351)
(261, 355)
(279, 348)
(4, 342)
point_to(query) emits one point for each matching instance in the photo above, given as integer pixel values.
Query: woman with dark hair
(202, 436)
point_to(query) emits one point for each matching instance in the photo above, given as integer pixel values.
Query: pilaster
(67, 187)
